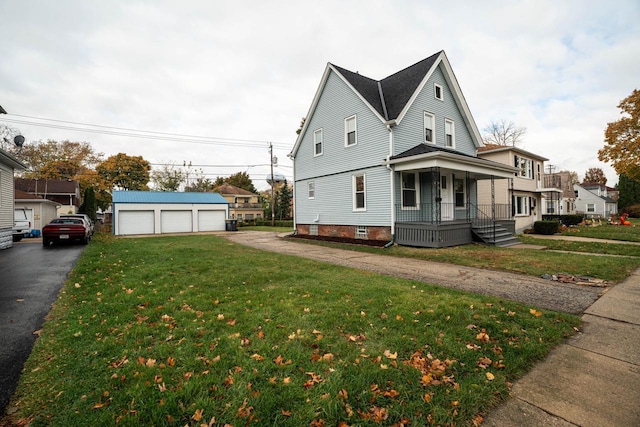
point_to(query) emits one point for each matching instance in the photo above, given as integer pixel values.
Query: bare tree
(503, 133)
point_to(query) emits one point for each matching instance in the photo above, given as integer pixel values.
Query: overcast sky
(243, 73)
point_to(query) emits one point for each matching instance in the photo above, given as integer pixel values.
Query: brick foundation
(347, 231)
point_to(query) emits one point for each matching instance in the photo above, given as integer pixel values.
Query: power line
(216, 166)
(138, 133)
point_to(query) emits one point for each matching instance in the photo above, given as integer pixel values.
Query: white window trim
(346, 131)
(315, 142)
(453, 133)
(417, 190)
(432, 119)
(353, 192)
(311, 190)
(594, 208)
(526, 206)
(436, 86)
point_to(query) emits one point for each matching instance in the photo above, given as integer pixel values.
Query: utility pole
(273, 181)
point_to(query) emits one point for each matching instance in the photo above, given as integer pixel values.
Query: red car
(65, 230)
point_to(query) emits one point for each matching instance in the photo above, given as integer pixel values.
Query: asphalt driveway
(30, 278)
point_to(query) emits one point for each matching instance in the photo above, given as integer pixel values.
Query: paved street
(30, 278)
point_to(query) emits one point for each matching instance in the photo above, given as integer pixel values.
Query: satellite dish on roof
(18, 140)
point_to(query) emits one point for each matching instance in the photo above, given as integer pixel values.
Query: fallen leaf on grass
(490, 376)
(483, 336)
(484, 362)
(197, 416)
(390, 355)
(535, 312)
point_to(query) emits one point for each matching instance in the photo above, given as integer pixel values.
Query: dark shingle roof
(390, 95)
(424, 149)
(48, 186)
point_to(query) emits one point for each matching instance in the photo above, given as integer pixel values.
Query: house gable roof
(167, 197)
(231, 190)
(391, 97)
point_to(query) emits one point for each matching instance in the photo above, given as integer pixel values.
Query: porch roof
(424, 156)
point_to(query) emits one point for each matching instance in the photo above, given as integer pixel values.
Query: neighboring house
(243, 204)
(66, 193)
(559, 203)
(394, 160)
(593, 201)
(158, 212)
(8, 164)
(39, 211)
(524, 193)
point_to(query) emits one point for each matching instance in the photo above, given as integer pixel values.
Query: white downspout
(390, 125)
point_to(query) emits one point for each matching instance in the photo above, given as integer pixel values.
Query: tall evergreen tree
(629, 192)
(89, 204)
(283, 201)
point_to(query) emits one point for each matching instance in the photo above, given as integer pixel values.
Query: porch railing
(435, 213)
(432, 213)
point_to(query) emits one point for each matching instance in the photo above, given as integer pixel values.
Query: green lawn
(606, 231)
(532, 262)
(192, 330)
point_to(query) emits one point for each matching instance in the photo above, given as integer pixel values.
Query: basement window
(362, 232)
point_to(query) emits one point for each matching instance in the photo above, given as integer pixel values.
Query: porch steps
(502, 237)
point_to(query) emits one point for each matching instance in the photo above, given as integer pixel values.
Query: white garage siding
(135, 222)
(148, 212)
(211, 220)
(176, 222)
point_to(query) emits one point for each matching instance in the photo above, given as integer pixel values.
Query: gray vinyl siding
(410, 131)
(428, 189)
(333, 201)
(336, 103)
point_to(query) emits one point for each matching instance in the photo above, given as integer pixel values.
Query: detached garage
(158, 212)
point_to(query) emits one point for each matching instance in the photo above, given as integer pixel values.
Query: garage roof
(167, 197)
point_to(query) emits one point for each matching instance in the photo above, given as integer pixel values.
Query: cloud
(249, 70)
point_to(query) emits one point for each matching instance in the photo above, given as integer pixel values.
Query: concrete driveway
(30, 278)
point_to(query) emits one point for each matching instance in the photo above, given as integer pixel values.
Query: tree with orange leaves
(622, 139)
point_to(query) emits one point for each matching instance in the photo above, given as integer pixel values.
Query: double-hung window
(525, 166)
(459, 190)
(429, 128)
(522, 205)
(591, 207)
(449, 133)
(311, 190)
(409, 190)
(350, 132)
(359, 193)
(317, 142)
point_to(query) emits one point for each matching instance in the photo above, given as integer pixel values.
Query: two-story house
(593, 201)
(393, 159)
(559, 203)
(523, 195)
(243, 204)
(66, 193)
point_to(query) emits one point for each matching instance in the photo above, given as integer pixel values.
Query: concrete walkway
(593, 379)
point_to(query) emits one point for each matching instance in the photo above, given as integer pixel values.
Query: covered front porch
(436, 200)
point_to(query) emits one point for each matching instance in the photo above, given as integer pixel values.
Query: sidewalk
(591, 380)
